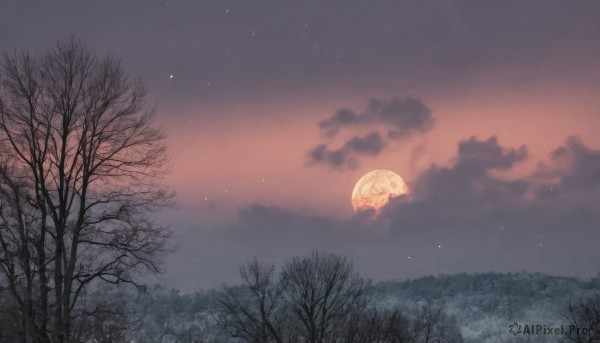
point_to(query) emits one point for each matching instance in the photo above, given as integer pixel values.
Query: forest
(475, 308)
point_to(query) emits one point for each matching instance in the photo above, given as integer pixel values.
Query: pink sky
(226, 152)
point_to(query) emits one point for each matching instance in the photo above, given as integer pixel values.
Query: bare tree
(312, 301)
(427, 323)
(254, 311)
(322, 291)
(81, 160)
(583, 316)
(320, 298)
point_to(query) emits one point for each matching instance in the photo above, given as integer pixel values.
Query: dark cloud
(402, 117)
(462, 217)
(406, 116)
(467, 198)
(397, 118)
(580, 166)
(488, 154)
(469, 179)
(345, 157)
(341, 118)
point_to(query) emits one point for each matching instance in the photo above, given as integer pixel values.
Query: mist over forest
(479, 306)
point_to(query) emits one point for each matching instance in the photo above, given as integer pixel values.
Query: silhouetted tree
(312, 300)
(255, 311)
(584, 314)
(320, 299)
(80, 166)
(322, 292)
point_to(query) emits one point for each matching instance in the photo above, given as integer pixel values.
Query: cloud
(402, 117)
(488, 154)
(341, 118)
(369, 145)
(489, 222)
(406, 116)
(578, 166)
(530, 222)
(395, 118)
(468, 179)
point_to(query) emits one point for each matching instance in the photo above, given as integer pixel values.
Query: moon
(374, 190)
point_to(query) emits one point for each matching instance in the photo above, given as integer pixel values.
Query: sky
(488, 110)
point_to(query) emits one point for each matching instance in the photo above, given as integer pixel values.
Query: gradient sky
(276, 108)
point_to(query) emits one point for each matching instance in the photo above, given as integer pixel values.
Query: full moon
(374, 190)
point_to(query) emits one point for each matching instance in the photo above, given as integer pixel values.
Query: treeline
(478, 307)
(511, 284)
(508, 295)
(316, 298)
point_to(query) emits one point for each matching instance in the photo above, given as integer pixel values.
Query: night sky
(489, 110)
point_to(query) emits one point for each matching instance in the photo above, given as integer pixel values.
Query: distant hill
(484, 305)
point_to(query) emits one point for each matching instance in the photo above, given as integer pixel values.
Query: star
(171, 76)
(439, 246)
(227, 11)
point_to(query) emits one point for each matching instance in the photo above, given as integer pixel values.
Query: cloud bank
(461, 217)
(389, 119)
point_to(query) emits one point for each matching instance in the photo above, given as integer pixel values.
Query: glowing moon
(375, 188)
